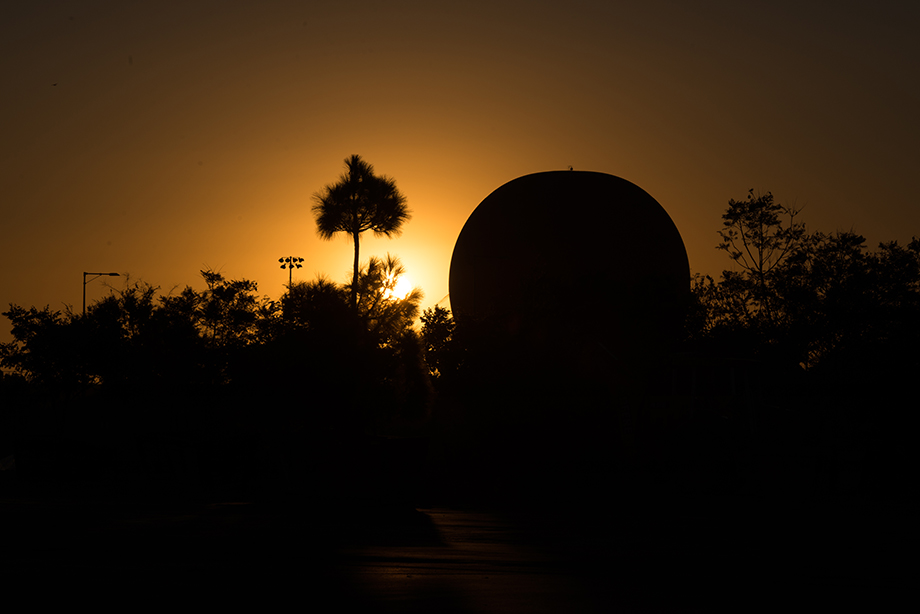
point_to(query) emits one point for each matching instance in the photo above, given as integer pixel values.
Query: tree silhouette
(38, 350)
(759, 242)
(828, 329)
(320, 304)
(385, 316)
(358, 202)
(441, 351)
(806, 298)
(229, 309)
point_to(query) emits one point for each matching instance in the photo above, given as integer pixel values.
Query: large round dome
(582, 252)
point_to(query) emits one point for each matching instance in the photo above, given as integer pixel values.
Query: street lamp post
(289, 263)
(85, 281)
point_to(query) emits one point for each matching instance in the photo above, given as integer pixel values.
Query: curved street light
(85, 281)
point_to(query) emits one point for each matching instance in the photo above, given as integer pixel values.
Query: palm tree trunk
(354, 278)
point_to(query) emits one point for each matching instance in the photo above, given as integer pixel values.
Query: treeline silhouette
(794, 373)
(828, 330)
(223, 391)
(144, 386)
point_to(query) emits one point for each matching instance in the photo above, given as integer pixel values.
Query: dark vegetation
(794, 374)
(358, 202)
(829, 331)
(222, 393)
(145, 383)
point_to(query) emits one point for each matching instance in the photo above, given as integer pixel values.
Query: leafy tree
(230, 310)
(805, 298)
(759, 241)
(38, 351)
(407, 390)
(386, 316)
(748, 308)
(396, 381)
(124, 344)
(354, 369)
(358, 202)
(133, 339)
(320, 304)
(441, 352)
(125, 352)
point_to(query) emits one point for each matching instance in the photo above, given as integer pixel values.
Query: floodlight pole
(289, 263)
(85, 281)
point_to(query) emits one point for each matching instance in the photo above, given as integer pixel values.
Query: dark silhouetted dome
(581, 255)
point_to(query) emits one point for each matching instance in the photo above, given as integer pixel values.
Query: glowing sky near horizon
(159, 138)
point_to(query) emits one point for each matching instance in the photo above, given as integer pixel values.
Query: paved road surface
(468, 562)
(718, 556)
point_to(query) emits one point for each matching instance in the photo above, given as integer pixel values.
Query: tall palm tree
(358, 202)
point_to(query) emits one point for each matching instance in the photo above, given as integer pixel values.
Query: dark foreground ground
(679, 555)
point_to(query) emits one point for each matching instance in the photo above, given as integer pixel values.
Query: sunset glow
(402, 289)
(160, 142)
(485, 305)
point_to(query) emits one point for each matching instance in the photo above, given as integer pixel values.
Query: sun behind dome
(574, 252)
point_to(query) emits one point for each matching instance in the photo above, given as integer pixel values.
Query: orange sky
(157, 138)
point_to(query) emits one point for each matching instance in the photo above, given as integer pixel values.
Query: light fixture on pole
(289, 263)
(85, 281)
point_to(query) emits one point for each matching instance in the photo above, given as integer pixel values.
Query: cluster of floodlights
(290, 263)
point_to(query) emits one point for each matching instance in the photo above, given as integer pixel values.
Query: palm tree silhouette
(358, 202)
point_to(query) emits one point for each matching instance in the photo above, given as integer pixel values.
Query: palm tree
(359, 201)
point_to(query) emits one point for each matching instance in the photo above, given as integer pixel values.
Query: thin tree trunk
(354, 278)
